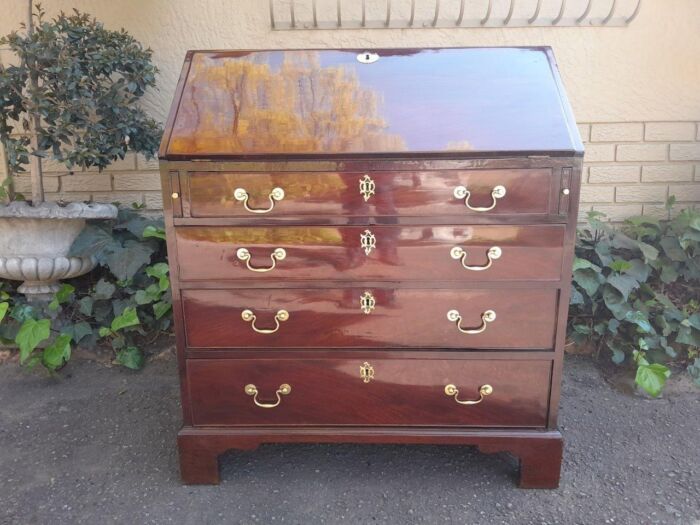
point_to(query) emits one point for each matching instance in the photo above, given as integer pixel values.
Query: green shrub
(77, 86)
(636, 294)
(126, 302)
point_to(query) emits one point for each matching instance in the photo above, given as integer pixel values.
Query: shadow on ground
(97, 445)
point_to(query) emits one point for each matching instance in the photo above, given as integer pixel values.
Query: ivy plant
(125, 303)
(636, 294)
(76, 86)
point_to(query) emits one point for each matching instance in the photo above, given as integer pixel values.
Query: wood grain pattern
(403, 392)
(268, 103)
(532, 252)
(539, 452)
(323, 318)
(315, 123)
(412, 193)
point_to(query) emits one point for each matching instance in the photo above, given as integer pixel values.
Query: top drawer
(475, 192)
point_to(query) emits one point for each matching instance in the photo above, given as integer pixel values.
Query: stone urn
(35, 241)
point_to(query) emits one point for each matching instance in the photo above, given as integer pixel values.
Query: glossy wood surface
(323, 318)
(409, 193)
(443, 101)
(539, 452)
(403, 392)
(418, 123)
(402, 253)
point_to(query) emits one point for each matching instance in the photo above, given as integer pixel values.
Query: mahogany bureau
(371, 247)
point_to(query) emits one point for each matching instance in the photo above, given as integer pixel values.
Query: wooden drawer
(400, 253)
(401, 391)
(321, 318)
(412, 193)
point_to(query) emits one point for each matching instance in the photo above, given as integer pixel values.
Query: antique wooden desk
(371, 247)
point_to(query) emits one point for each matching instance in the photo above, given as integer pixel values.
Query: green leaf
(85, 306)
(652, 377)
(127, 318)
(615, 302)
(688, 335)
(104, 290)
(640, 319)
(624, 283)
(672, 249)
(30, 334)
(588, 279)
(104, 331)
(80, 330)
(638, 270)
(57, 353)
(161, 308)
(580, 264)
(152, 231)
(125, 261)
(22, 312)
(61, 296)
(160, 271)
(693, 320)
(618, 355)
(576, 297)
(620, 265)
(131, 357)
(92, 240)
(4, 306)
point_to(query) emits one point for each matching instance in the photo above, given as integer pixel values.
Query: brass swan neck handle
(498, 192)
(277, 194)
(488, 316)
(484, 391)
(460, 254)
(249, 316)
(283, 390)
(278, 254)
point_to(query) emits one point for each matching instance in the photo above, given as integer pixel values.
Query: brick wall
(629, 169)
(131, 180)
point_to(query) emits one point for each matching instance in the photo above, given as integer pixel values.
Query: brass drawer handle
(460, 254)
(277, 255)
(487, 317)
(277, 194)
(249, 316)
(283, 390)
(497, 192)
(484, 390)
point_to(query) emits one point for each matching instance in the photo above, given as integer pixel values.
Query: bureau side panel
(171, 177)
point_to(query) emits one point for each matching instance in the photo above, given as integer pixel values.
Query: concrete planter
(34, 244)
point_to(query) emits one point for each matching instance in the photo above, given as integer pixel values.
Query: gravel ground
(97, 445)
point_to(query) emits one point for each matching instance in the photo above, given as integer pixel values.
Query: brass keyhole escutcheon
(366, 372)
(368, 241)
(367, 302)
(367, 187)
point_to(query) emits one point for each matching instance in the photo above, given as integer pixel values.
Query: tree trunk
(34, 124)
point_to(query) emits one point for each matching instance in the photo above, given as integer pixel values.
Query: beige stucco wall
(635, 77)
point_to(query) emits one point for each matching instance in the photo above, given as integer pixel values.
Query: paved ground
(97, 446)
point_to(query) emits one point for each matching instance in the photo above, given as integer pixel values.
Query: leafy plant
(74, 95)
(127, 304)
(635, 293)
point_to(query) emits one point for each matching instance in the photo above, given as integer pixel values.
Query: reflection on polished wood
(326, 102)
(412, 193)
(371, 253)
(401, 318)
(329, 391)
(401, 253)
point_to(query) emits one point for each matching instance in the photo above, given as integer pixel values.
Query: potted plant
(72, 95)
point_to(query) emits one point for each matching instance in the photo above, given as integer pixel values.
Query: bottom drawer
(369, 391)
